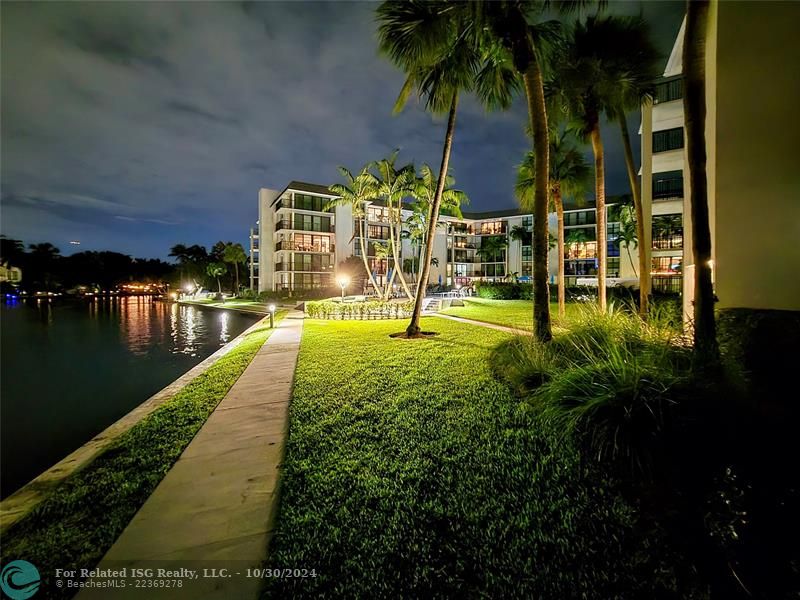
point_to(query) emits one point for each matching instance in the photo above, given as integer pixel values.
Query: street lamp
(271, 309)
(343, 280)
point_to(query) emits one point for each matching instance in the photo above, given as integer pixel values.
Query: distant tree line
(222, 266)
(44, 268)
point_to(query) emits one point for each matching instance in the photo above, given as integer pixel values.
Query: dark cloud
(134, 126)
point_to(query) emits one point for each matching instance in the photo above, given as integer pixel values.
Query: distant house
(10, 274)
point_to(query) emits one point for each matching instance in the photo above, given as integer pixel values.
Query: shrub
(373, 309)
(501, 291)
(622, 387)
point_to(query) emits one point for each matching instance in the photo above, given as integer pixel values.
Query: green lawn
(75, 526)
(411, 471)
(513, 313)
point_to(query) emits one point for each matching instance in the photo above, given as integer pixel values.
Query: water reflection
(223, 331)
(84, 364)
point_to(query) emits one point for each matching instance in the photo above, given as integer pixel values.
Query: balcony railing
(667, 284)
(307, 268)
(299, 247)
(301, 226)
(671, 241)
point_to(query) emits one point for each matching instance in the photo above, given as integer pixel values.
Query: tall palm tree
(356, 193)
(439, 48)
(569, 176)
(234, 254)
(393, 185)
(633, 61)
(584, 86)
(424, 193)
(694, 108)
(529, 48)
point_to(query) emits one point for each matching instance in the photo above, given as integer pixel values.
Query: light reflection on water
(70, 368)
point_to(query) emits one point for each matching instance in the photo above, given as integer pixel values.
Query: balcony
(670, 241)
(299, 247)
(307, 268)
(300, 226)
(667, 284)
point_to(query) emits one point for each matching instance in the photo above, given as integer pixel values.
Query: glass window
(669, 90)
(669, 139)
(668, 184)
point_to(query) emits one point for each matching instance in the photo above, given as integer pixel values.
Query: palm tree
(633, 62)
(492, 247)
(357, 193)
(523, 236)
(234, 254)
(585, 84)
(424, 193)
(526, 45)
(216, 270)
(569, 175)
(628, 234)
(393, 186)
(437, 46)
(694, 108)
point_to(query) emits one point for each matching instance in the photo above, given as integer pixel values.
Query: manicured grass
(75, 526)
(411, 471)
(512, 313)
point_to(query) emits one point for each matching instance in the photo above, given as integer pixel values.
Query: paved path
(216, 506)
(513, 330)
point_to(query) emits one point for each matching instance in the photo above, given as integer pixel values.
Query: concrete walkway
(215, 508)
(513, 330)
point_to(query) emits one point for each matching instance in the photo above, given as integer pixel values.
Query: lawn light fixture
(271, 309)
(343, 281)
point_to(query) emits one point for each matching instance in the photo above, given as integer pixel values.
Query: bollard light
(271, 309)
(343, 280)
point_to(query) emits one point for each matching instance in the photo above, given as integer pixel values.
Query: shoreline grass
(83, 517)
(412, 472)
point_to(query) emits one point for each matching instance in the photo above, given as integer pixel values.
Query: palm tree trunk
(364, 252)
(636, 191)
(694, 108)
(389, 282)
(236, 266)
(630, 260)
(562, 294)
(413, 326)
(537, 111)
(600, 202)
(395, 254)
(219, 285)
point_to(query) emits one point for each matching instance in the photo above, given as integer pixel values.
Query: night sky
(136, 126)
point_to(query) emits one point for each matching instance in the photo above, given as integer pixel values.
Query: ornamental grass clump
(622, 388)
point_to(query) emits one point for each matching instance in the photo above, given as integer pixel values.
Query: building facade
(752, 175)
(302, 236)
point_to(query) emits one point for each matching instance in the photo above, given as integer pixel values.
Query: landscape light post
(271, 308)
(343, 281)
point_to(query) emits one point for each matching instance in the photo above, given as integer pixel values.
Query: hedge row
(328, 309)
(524, 291)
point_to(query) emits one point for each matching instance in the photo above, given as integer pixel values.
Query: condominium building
(752, 158)
(302, 236)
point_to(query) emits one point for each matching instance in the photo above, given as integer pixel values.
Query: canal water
(70, 368)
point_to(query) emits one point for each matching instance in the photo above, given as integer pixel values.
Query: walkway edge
(504, 328)
(218, 503)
